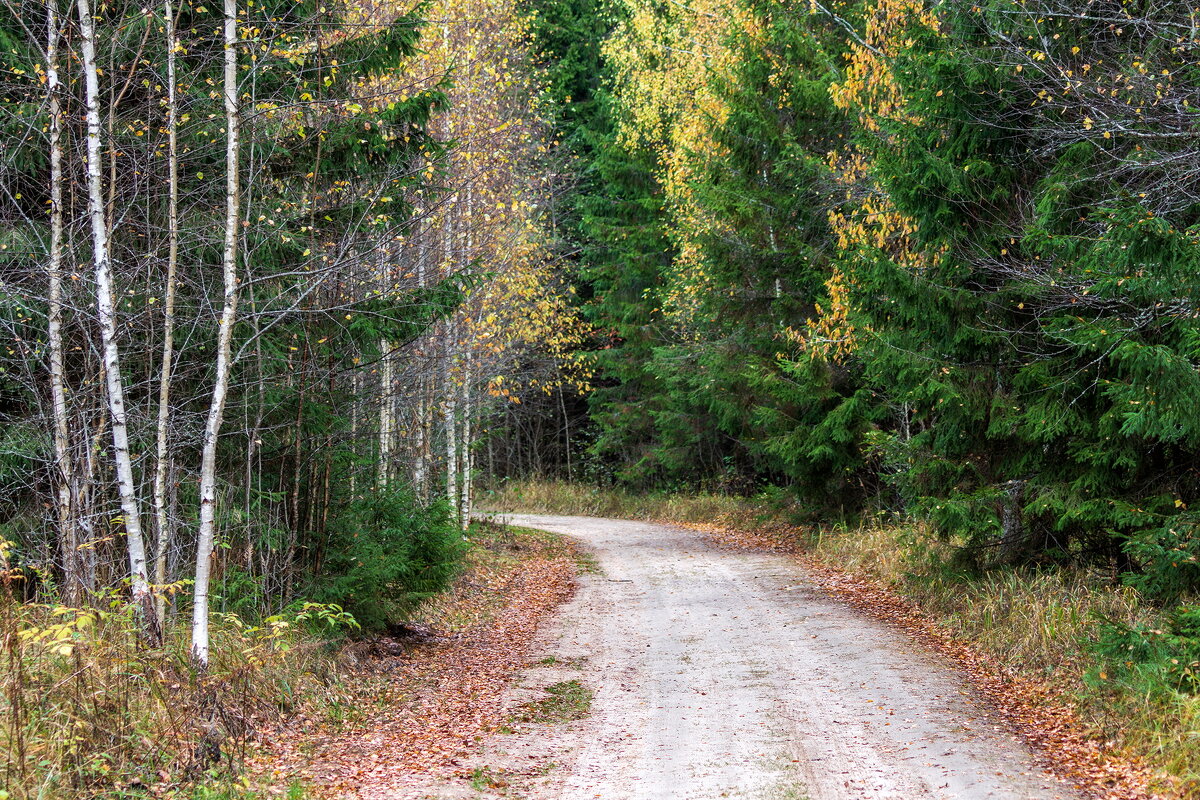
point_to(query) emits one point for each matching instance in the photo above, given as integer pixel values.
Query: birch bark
(68, 530)
(449, 419)
(464, 499)
(106, 311)
(164, 382)
(386, 415)
(216, 407)
(423, 411)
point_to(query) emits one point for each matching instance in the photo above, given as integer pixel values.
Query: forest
(290, 288)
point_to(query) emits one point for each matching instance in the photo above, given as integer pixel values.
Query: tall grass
(87, 710)
(1042, 623)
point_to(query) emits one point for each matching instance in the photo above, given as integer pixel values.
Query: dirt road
(721, 674)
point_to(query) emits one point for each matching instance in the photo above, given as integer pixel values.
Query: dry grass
(1040, 623)
(88, 711)
(552, 497)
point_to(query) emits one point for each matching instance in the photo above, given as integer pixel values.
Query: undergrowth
(418, 699)
(89, 710)
(1130, 668)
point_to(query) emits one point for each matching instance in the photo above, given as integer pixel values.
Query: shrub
(1168, 561)
(386, 553)
(1157, 659)
(89, 711)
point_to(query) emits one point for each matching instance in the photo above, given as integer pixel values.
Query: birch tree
(162, 428)
(216, 409)
(67, 530)
(106, 310)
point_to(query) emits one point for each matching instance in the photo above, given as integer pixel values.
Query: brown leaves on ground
(1040, 715)
(418, 714)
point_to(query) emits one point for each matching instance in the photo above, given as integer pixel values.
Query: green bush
(385, 554)
(1168, 560)
(239, 592)
(1157, 659)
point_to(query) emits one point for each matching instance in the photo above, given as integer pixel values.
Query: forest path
(731, 674)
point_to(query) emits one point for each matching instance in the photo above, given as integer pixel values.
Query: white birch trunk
(108, 327)
(464, 500)
(449, 405)
(386, 421)
(164, 381)
(449, 418)
(216, 408)
(421, 446)
(470, 495)
(422, 424)
(67, 530)
(464, 503)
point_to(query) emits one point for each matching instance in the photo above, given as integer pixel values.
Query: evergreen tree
(1047, 352)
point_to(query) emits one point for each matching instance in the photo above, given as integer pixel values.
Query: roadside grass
(1048, 625)
(557, 661)
(1044, 624)
(556, 497)
(484, 778)
(568, 700)
(87, 710)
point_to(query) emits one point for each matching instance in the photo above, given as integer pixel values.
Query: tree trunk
(423, 424)
(355, 388)
(386, 415)
(108, 330)
(464, 501)
(562, 400)
(450, 423)
(216, 408)
(164, 381)
(1013, 539)
(68, 531)
(421, 446)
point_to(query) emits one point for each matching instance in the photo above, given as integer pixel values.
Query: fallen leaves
(425, 707)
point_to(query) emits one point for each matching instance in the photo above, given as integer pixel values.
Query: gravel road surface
(728, 674)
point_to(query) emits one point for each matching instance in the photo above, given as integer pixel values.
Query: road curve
(727, 674)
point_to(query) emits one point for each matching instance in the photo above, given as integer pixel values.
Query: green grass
(483, 778)
(554, 661)
(568, 700)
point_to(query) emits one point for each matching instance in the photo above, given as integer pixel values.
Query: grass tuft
(568, 700)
